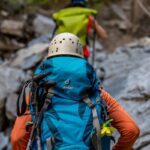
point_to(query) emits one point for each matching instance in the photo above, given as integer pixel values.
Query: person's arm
(100, 31)
(125, 125)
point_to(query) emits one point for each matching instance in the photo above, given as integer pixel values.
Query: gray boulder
(43, 25)
(11, 106)
(10, 80)
(2, 106)
(12, 27)
(4, 141)
(29, 57)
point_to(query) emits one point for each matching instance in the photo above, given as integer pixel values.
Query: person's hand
(100, 31)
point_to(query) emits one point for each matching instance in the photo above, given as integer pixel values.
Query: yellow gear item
(107, 130)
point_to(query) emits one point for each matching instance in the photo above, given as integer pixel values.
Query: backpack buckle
(28, 125)
(91, 105)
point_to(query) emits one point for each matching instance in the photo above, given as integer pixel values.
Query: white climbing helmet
(65, 44)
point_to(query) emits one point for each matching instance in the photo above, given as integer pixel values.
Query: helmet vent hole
(63, 38)
(55, 42)
(60, 41)
(69, 38)
(72, 42)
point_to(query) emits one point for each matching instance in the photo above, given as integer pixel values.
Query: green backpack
(74, 20)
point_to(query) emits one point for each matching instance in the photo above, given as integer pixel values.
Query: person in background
(76, 18)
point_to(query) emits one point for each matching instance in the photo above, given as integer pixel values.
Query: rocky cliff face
(127, 78)
(126, 74)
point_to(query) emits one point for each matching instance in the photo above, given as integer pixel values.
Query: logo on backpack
(67, 85)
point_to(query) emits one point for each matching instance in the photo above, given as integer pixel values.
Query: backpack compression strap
(96, 124)
(49, 143)
(24, 99)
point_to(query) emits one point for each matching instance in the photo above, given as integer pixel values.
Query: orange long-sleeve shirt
(128, 129)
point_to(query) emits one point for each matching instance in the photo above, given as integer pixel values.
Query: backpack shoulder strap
(24, 98)
(96, 123)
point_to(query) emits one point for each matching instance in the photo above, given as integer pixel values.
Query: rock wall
(127, 78)
(126, 74)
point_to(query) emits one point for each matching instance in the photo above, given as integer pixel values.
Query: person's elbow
(132, 132)
(136, 131)
(104, 36)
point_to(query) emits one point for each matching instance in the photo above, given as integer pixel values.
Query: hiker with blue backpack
(76, 18)
(75, 112)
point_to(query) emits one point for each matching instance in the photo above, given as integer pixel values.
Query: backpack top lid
(74, 77)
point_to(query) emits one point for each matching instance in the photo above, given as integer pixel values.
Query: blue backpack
(72, 119)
